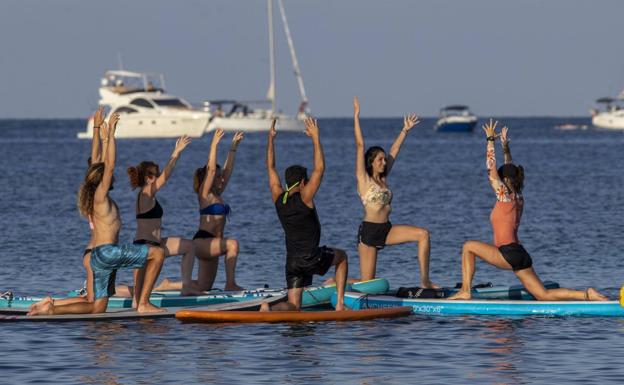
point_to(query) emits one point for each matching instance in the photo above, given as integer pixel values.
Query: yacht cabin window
(173, 102)
(142, 103)
(126, 110)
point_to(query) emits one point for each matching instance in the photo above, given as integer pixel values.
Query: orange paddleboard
(289, 316)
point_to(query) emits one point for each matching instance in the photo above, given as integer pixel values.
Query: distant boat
(612, 117)
(456, 118)
(146, 110)
(235, 115)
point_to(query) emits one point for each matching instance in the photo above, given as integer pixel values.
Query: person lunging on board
(507, 253)
(297, 214)
(107, 255)
(371, 170)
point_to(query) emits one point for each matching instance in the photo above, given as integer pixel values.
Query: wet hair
(370, 156)
(294, 174)
(200, 175)
(92, 180)
(512, 176)
(139, 173)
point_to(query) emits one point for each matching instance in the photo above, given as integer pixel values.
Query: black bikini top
(155, 212)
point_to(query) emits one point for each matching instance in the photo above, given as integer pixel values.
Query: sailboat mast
(271, 92)
(293, 56)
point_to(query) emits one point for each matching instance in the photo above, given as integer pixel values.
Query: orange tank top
(505, 218)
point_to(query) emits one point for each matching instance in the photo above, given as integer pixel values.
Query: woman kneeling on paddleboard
(209, 183)
(376, 231)
(507, 252)
(147, 176)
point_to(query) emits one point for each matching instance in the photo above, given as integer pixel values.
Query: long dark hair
(199, 176)
(370, 156)
(92, 179)
(512, 176)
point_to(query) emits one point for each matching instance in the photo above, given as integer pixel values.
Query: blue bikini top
(216, 209)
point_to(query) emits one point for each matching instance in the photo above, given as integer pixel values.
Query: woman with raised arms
(147, 176)
(371, 169)
(507, 253)
(209, 183)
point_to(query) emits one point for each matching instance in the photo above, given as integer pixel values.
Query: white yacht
(612, 117)
(146, 110)
(241, 116)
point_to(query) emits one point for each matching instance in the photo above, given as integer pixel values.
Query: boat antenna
(119, 61)
(271, 91)
(293, 55)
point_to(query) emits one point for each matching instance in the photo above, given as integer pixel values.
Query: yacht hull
(609, 120)
(249, 124)
(155, 127)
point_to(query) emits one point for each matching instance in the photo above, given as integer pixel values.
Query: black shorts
(203, 234)
(300, 269)
(374, 234)
(516, 256)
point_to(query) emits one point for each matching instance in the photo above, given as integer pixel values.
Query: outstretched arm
(505, 143)
(211, 165)
(229, 162)
(309, 190)
(96, 147)
(409, 121)
(499, 187)
(180, 145)
(101, 193)
(360, 166)
(274, 182)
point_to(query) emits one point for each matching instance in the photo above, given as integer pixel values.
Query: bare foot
(265, 306)
(594, 295)
(190, 290)
(233, 287)
(43, 309)
(429, 285)
(341, 307)
(37, 305)
(460, 295)
(149, 308)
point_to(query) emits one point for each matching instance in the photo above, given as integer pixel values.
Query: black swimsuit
(155, 212)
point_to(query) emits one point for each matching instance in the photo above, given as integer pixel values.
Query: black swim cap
(294, 174)
(508, 170)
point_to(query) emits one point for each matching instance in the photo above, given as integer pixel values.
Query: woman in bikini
(371, 169)
(507, 253)
(147, 176)
(209, 182)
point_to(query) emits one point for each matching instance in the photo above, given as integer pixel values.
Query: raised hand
(356, 106)
(181, 144)
(98, 117)
(503, 135)
(311, 127)
(236, 139)
(272, 131)
(104, 130)
(112, 123)
(218, 134)
(490, 128)
(410, 121)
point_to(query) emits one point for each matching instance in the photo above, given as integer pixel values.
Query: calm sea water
(572, 226)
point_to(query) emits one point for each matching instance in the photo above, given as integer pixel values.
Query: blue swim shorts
(106, 259)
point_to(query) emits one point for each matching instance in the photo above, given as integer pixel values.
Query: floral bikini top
(377, 195)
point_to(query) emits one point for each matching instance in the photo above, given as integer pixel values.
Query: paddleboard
(312, 296)
(19, 315)
(485, 307)
(483, 291)
(202, 316)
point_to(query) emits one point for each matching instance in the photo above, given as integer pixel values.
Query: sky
(500, 57)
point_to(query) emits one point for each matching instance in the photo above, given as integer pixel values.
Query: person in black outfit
(296, 211)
